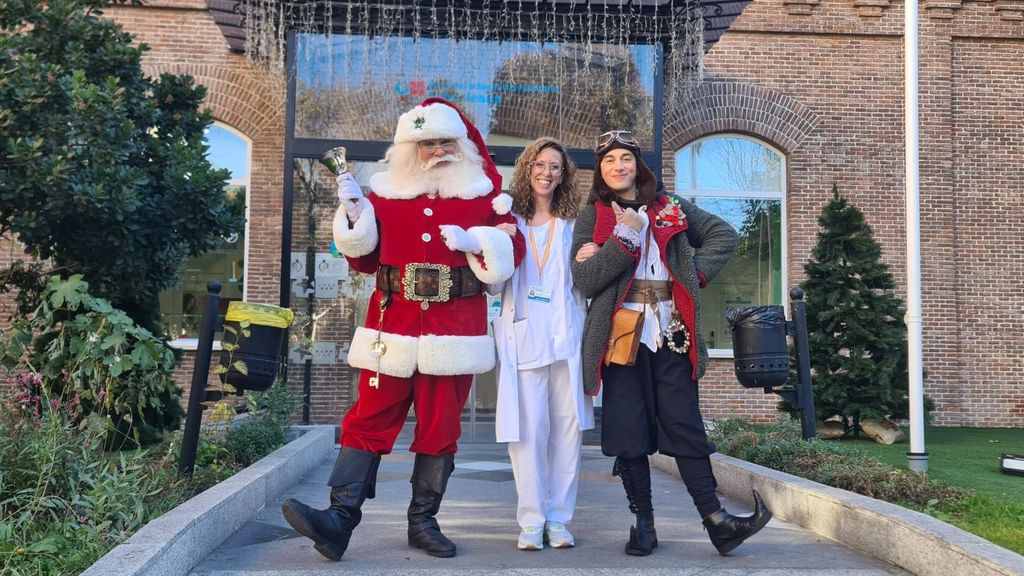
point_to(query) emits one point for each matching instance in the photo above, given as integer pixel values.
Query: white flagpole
(917, 457)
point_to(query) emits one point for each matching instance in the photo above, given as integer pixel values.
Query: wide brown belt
(428, 282)
(649, 291)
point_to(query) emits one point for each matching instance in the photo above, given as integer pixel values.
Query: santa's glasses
(624, 137)
(432, 146)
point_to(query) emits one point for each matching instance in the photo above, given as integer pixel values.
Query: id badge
(539, 293)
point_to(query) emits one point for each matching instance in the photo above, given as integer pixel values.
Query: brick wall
(840, 64)
(820, 80)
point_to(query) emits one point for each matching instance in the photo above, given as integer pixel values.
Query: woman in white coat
(541, 407)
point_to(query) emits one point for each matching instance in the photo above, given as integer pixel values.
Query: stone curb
(910, 540)
(174, 543)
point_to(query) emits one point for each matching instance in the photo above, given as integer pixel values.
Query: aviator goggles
(624, 137)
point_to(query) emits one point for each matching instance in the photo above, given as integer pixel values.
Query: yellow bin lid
(259, 314)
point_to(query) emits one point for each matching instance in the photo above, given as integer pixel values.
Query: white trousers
(546, 460)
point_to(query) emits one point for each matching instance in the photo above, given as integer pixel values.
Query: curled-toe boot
(351, 482)
(429, 481)
(636, 479)
(727, 531)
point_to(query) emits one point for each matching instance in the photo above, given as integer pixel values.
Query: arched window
(181, 306)
(742, 180)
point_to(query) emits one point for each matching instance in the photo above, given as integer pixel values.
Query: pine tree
(858, 339)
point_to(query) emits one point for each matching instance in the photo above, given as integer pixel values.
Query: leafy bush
(780, 447)
(64, 502)
(229, 446)
(114, 375)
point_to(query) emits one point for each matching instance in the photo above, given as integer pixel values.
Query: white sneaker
(531, 538)
(558, 536)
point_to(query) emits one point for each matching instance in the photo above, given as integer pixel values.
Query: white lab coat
(572, 309)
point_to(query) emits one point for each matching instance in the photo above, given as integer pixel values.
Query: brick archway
(717, 107)
(241, 98)
(236, 98)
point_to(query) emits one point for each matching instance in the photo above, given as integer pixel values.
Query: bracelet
(630, 238)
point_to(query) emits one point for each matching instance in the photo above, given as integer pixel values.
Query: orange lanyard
(547, 248)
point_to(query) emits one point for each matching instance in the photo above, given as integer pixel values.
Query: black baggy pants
(652, 406)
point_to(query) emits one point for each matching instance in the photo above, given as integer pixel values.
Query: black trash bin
(259, 344)
(761, 356)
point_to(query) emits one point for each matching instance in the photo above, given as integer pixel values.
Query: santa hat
(430, 122)
(439, 119)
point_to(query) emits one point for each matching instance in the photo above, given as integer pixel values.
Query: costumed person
(428, 231)
(541, 408)
(638, 248)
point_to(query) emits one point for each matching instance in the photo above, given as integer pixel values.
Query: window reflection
(742, 181)
(354, 87)
(181, 306)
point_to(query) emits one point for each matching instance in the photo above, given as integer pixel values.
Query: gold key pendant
(377, 346)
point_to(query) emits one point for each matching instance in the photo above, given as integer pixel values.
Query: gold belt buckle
(423, 282)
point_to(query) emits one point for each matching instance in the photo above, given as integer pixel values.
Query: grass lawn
(969, 458)
(964, 457)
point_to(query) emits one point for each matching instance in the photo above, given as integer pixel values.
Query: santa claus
(434, 229)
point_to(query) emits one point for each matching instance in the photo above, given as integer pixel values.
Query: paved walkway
(479, 515)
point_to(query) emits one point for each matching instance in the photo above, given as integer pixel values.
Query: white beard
(459, 177)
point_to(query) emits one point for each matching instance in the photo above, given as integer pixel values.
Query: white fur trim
(454, 355)
(399, 360)
(502, 204)
(382, 186)
(431, 122)
(497, 253)
(362, 238)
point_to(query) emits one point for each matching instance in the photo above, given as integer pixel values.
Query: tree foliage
(858, 340)
(103, 170)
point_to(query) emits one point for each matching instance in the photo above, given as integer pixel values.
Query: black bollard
(200, 374)
(804, 392)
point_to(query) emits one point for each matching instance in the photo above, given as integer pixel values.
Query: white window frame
(692, 193)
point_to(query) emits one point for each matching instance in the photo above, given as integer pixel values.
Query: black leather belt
(423, 282)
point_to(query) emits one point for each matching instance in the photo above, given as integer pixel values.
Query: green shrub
(263, 431)
(83, 352)
(64, 502)
(230, 445)
(779, 446)
(253, 439)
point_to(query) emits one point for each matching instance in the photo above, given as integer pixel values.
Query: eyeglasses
(541, 167)
(432, 145)
(621, 136)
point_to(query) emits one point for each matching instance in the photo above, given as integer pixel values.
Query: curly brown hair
(566, 200)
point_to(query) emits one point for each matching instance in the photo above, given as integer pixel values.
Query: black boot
(727, 531)
(429, 481)
(636, 479)
(351, 482)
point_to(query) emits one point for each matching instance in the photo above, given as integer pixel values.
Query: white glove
(455, 238)
(351, 196)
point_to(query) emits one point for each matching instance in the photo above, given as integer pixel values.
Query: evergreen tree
(858, 340)
(102, 169)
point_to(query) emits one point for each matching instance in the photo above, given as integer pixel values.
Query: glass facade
(354, 87)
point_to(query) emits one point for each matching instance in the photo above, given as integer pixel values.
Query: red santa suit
(432, 345)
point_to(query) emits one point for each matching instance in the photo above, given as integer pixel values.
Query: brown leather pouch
(625, 337)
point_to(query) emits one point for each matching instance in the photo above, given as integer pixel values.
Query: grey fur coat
(693, 254)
